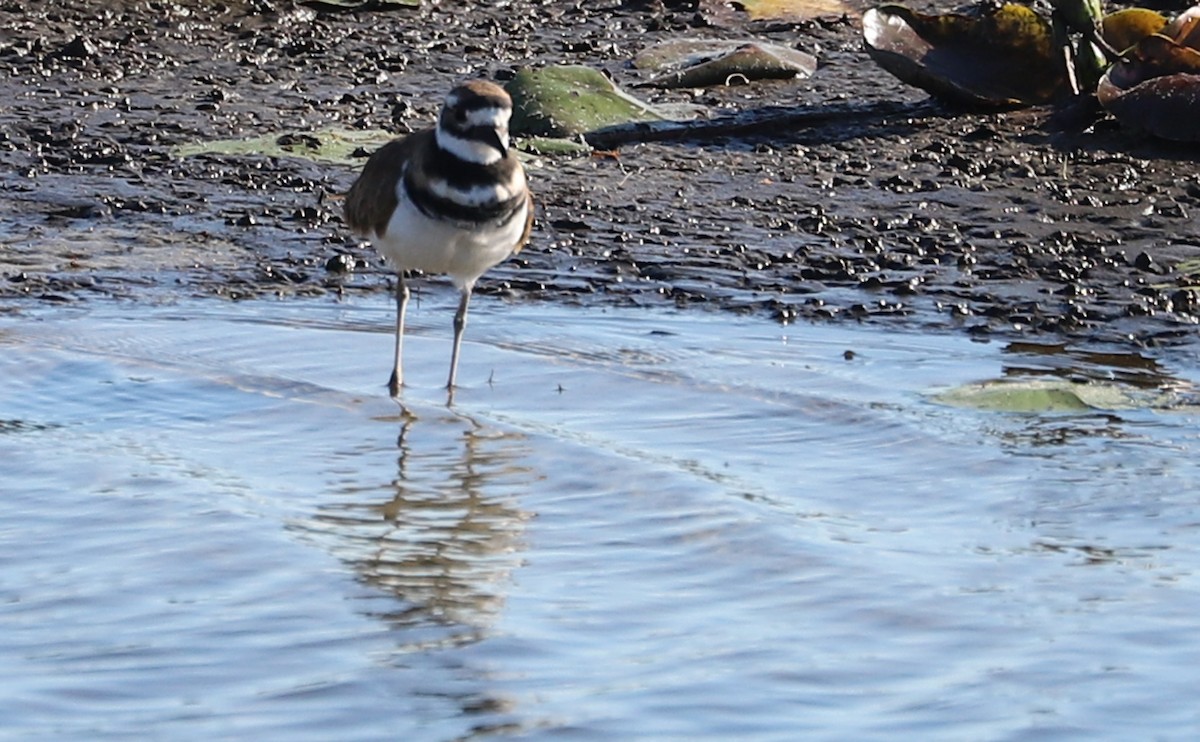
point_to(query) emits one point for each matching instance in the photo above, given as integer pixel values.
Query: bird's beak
(497, 140)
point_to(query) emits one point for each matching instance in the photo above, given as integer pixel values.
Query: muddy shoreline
(900, 211)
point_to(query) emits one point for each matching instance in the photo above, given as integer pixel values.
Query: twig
(751, 123)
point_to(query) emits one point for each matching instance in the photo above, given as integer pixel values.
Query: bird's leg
(460, 323)
(397, 379)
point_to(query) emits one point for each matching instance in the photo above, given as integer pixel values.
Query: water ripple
(631, 525)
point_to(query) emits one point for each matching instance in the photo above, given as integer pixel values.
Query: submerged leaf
(1047, 396)
(703, 62)
(997, 58)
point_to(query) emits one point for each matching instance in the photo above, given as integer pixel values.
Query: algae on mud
(568, 100)
(330, 145)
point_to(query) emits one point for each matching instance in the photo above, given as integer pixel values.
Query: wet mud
(866, 202)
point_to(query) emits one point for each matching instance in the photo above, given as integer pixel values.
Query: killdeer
(450, 200)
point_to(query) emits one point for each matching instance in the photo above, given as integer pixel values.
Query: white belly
(415, 242)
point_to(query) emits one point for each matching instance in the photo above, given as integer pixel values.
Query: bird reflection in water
(438, 544)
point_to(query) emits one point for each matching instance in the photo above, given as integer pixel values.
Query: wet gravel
(890, 209)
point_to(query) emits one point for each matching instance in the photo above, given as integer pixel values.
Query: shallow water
(629, 525)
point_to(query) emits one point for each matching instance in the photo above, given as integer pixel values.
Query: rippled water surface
(629, 525)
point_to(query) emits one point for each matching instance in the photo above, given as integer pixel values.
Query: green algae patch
(335, 146)
(553, 146)
(568, 100)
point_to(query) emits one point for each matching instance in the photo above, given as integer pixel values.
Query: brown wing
(528, 223)
(372, 199)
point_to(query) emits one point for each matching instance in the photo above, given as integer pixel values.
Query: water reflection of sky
(630, 525)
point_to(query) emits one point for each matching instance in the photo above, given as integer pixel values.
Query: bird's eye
(460, 116)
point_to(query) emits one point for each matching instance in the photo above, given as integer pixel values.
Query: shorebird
(450, 199)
